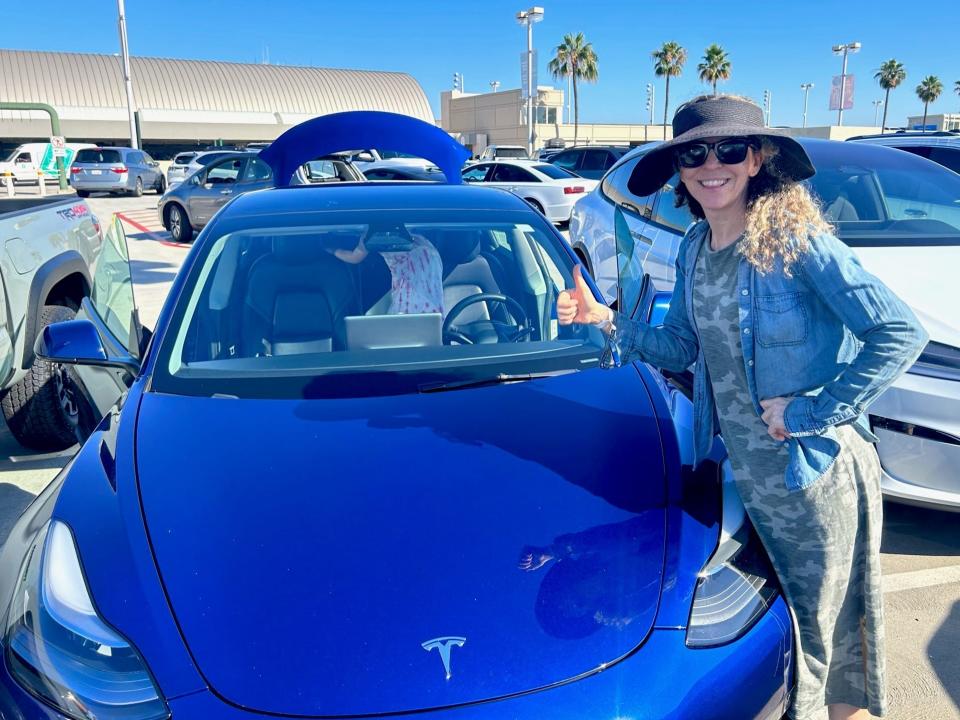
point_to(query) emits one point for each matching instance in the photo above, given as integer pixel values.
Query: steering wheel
(514, 310)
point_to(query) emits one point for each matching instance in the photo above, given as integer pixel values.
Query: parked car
(50, 245)
(27, 161)
(900, 214)
(386, 170)
(940, 147)
(190, 206)
(551, 190)
(372, 158)
(177, 171)
(545, 153)
(397, 485)
(588, 161)
(504, 152)
(119, 170)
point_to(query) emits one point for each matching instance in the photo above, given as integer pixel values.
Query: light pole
(877, 104)
(494, 85)
(528, 18)
(843, 50)
(767, 102)
(651, 99)
(122, 22)
(806, 94)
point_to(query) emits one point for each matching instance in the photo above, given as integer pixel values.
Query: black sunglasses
(729, 152)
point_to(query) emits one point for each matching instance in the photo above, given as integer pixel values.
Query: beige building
(832, 132)
(949, 121)
(499, 118)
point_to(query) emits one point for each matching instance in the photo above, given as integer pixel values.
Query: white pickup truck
(47, 247)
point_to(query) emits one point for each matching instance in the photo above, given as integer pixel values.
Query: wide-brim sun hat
(717, 117)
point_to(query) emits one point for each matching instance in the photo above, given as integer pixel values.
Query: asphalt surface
(921, 547)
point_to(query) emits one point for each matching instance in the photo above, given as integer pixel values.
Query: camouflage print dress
(824, 540)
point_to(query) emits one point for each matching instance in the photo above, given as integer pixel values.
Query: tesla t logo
(443, 644)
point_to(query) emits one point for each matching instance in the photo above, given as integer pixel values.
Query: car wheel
(179, 225)
(536, 206)
(161, 185)
(83, 193)
(43, 409)
(138, 187)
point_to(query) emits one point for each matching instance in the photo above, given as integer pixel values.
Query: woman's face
(721, 188)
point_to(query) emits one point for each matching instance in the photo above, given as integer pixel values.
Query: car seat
(296, 299)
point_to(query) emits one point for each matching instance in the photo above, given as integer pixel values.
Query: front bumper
(917, 421)
(746, 680)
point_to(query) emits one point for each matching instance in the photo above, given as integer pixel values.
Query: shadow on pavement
(147, 272)
(942, 652)
(12, 502)
(911, 530)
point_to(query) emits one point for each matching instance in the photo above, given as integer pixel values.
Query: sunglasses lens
(693, 155)
(732, 152)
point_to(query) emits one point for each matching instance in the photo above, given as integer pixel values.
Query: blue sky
(773, 45)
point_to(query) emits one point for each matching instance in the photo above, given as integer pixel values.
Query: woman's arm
(892, 337)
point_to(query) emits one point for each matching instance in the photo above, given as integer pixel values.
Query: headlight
(938, 360)
(737, 585)
(60, 650)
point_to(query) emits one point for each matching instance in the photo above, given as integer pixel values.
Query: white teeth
(713, 183)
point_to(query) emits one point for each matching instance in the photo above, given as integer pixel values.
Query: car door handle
(226, 192)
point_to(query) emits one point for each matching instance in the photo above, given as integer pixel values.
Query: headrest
(297, 250)
(457, 247)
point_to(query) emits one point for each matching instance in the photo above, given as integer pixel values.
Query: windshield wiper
(498, 379)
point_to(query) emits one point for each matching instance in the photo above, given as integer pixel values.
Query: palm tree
(574, 58)
(890, 74)
(928, 91)
(667, 63)
(715, 66)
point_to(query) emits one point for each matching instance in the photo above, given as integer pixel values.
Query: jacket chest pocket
(781, 319)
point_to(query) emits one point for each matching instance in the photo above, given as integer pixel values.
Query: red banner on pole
(847, 93)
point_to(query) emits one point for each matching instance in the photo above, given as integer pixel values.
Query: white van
(26, 160)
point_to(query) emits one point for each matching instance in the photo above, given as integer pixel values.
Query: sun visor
(360, 129)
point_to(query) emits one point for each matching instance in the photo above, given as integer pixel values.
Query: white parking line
(921, 579)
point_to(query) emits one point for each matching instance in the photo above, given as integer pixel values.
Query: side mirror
(364, 157)
(154, 164)
(194, 179)
(77, 342)
(658, 308)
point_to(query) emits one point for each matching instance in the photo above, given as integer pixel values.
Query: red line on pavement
(144, 229)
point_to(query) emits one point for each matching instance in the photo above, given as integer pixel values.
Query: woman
(790, 340)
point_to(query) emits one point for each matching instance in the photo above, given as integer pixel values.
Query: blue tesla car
(359, 470)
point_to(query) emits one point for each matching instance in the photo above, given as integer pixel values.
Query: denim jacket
(831, 336)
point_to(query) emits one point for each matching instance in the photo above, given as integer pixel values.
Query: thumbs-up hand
(578, 304)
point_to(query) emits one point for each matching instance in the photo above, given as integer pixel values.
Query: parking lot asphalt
(921, 547)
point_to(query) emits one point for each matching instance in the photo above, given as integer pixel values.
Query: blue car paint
(124, 581)
(360, 129)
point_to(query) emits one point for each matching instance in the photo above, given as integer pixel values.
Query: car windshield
(888, 197)
(505, 152)
(206, 159)
(373, 302)
(184, 158)
(94, 155)
(553, 171)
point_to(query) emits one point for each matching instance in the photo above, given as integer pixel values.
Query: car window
(256, 171)
(947, 156)
(566, 160)
(112, 294)
(380, 174)
(208, 158)
(552, 171)
(667, 213)
(225, 172)
(874, 196)
(614, 188)
(596, 160)
(96, 155)
(367, 302)
(476, 173)
(23, 157)
(506, 152)
(184, 158)
(512, 173)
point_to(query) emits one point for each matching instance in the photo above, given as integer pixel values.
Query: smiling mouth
(714, 183)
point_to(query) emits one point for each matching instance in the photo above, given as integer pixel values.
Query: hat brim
(656, 167)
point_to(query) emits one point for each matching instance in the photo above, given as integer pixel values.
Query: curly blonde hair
(782, 215)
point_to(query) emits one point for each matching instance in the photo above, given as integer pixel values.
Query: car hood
(335, 557)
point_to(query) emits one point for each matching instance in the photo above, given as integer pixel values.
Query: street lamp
(877, 104)
(122, 25)
(767, 102)
(494, 85)
(843, 50)
(806, 94)
(528, 18)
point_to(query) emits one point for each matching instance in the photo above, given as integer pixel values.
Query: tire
(179, 225)
(161, 185)
(536, 206)
(83, 193)
(138, 187)
(43, 409)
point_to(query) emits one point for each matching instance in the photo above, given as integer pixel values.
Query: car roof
(373, 196)
(929, 140)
